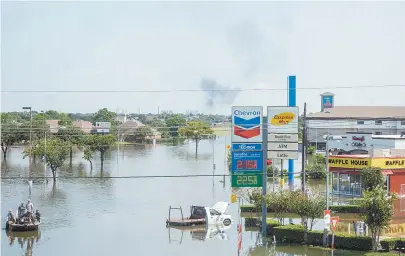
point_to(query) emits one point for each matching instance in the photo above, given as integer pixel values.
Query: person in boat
(30, 210)
(21, 213)
(37, 216)
(21, 210)
(10, 217)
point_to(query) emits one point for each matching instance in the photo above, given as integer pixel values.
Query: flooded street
(104, 216)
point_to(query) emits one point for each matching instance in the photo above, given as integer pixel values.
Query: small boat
(24, 227)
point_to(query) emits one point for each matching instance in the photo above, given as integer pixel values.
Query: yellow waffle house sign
(360, 163)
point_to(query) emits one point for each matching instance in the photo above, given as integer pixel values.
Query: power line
(141, 176)
(198, 90)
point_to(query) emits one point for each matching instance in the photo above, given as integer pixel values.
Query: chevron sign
(247, 124)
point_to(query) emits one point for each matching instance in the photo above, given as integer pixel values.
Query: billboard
(282, 119)
(247, 124)
(327, 101)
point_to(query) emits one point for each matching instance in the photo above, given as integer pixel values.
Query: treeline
(56, 147)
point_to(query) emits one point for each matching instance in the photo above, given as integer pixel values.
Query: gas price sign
(247, 168)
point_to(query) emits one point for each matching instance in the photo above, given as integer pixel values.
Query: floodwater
(101, 215)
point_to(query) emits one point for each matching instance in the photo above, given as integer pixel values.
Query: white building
(362, 143)
(342, 119)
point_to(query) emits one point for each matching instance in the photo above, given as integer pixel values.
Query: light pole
(30, 109)
(44, 156)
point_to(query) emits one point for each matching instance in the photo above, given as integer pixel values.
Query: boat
(24, 227)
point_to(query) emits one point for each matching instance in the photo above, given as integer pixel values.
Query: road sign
(247, 124)
(283, 137)
(282, 155)
(282, 146)
(247, 147)
(334, 221)
(282, 119)
(326, 219)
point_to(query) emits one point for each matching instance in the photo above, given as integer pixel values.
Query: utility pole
(264, 177)
(304, 149)
(326, 231)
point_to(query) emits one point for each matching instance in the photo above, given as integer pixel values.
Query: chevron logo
(246, 128)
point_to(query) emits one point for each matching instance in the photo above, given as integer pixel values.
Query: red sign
(326, 212)
(334, 221)
(358, 138)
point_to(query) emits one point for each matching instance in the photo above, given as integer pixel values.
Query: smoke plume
(217, 94)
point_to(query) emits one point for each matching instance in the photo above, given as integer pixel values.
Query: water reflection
(201, 232)
(25, 240)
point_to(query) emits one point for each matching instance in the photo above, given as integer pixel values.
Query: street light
(30, 109)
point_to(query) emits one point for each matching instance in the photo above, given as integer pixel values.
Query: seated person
(10, 216)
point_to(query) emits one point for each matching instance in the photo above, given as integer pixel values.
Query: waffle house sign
(364, 162)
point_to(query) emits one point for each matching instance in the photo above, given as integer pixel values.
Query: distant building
(53, 125)
(339, 120)
(122, 118)
(85, 126)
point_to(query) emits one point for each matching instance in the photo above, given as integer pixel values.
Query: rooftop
(361, 112)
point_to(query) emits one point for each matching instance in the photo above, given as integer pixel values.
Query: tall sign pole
(292, 102)
(249, 166)
(304, 149)
(264, 179)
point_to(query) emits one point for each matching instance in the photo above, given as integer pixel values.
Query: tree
(378, 211)
(372, 178)
(316, 169)
(10, 133)
(255, 197)
(52, 114)
(161, 127)
(100, 143)
(307, 207)
(196, 130)
(64, 120)
(280, 203)
(104, 115)
(140, 134)
(173, 123)
(71, 135)
(55, 152)
(88, 155)
(378, 207)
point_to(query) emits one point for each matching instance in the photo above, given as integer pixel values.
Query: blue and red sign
(247, 128)
(247, 124)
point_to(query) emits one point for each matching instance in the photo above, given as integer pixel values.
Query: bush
(295, 234)
(346, 208)
(311, 150)
(333, 208)
(392, 243)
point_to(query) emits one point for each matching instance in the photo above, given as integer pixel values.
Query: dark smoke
(216, 93)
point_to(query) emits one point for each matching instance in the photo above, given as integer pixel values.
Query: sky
(127, 47)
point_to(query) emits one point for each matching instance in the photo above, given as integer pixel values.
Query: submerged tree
(88, 155)
(196, 130)
(54, 153)
(71, 135)
(100, 143)
(10, 133)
